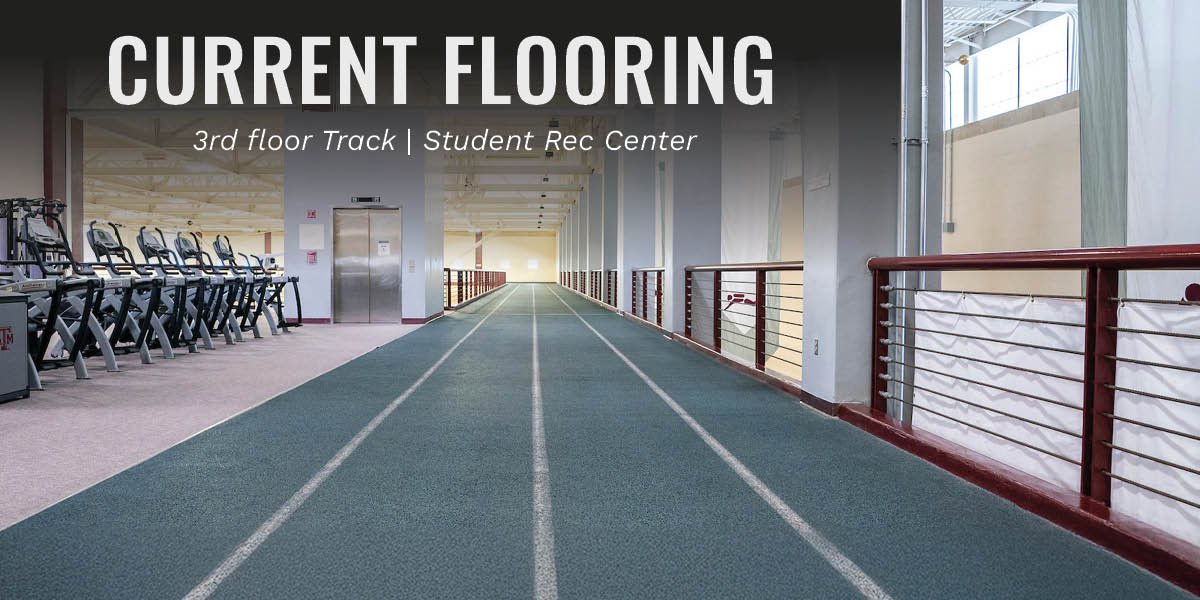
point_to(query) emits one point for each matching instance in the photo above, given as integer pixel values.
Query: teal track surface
(438, 500)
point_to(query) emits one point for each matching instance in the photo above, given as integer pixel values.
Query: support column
(635, 205)
(478, 249)
(595, 226)
(581, 231)
(1103, 122)
(56, 142)
(693, 206)
(851, 165)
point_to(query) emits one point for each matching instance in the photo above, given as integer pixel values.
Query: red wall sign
(312, 213)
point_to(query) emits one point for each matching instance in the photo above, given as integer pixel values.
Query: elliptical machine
(262, 289)
(149, 316)
(186, 290)
(223, 290)
(65, 296)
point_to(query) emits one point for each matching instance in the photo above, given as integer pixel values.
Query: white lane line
(545, 578)
(855, 575)
(256, 539)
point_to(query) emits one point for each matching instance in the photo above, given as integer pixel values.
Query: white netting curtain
(1164, 152)
(745, 213)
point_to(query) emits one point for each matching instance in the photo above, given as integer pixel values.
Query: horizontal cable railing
(462, 285)
(646, 291)
(595, 287)
(1039, 381)
(751, 311)
(611, 278)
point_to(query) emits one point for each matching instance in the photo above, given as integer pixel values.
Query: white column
(635, 204)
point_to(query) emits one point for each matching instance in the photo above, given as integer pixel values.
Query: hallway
(538, 445)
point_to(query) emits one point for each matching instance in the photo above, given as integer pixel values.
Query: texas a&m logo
(6, 338)
(738, 298)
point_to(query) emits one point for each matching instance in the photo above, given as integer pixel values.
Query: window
(1033, 66)
(997, 78)
(954, 95)
(1045, 66)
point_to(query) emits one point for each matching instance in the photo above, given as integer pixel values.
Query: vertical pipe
(880, 282)
(1100, 372)
(924, 179)
(687, 304)
(658, 296)
(760, 320)
(716, 316)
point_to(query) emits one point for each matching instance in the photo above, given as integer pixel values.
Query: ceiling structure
(514, 190)
(965, 20)
(144, 171)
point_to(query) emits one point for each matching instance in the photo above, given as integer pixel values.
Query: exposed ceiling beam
(513, 187)
(514, 200)
(1011, 5)
(169, 171)
(530, 169)
(130, 135)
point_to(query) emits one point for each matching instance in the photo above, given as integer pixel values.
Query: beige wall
(247, 243)
(782, 358)
(509, 252)
(1014, 184)
(458, 250)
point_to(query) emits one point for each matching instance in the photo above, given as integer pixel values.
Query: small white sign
(312, 236)
(383, 248)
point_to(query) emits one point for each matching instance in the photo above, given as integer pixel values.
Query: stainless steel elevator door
(385, 265)
(366, 265)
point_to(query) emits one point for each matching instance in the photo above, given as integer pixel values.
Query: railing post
(658, 296)
(716, 316)
(760, 320)
(460, 287)
(880, 281)
(645, 313)
(687, 304)
(1100, 373)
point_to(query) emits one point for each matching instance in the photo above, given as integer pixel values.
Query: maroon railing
(893, 338)
(611, 278)
(462, 285)
(721, 302)
(646, 289)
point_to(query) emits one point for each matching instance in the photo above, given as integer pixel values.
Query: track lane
(919, 531)
(156, 529)
(436, 503)
(642, 507)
